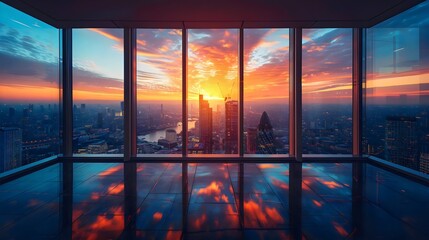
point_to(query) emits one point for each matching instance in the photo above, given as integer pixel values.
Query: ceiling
(212, 13)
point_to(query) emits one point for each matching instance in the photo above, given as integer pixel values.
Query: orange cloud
(106, 34)
(101, 223)
(157, 216)
(116, 189)
(21, 93)
(111, 170)
(266, 216)
(340, 229)
(214, 190)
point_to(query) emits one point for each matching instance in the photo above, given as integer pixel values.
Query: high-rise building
(265, 136)
(402, 141)
(251, 140)
(231, 127)
(206, 125)
(122, 108)
(424, 155)
(10, 148)
(171, 135)
(100, 120)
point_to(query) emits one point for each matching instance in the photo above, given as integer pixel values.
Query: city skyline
(395, 77)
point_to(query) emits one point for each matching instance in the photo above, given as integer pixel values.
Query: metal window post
(184, 91)
(295, 93)
(358, 76)
(295, 131)
(185, 194)
(130, 94)
(357, 90)
(241, 91)
(67, 84)
(66, 169)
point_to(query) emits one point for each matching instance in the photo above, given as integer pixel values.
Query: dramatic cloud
(327, 60)
(22, 44)
(159, 64)
(397, 65)
(213, 64)
(266, 55)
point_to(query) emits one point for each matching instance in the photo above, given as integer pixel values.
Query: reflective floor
(218, 201)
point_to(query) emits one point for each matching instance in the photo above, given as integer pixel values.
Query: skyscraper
(265, 136)
(231, 127)
(162, 112)
(402, 141)
(10, 148)
(424, 155)
(206, 125)
(100, 120)
(171, 135)
(251, 140)
(122, 108)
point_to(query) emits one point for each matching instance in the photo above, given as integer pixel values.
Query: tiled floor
(145, 201)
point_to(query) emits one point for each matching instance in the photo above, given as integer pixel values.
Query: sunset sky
(29, 53)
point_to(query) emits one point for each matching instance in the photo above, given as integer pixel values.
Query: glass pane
(266, 91)
(159, 91)
(98, 83)
(327, 91)
(213, 91)
(397, 84)
(29, 89)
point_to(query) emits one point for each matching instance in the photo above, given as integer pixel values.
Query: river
(158, 134)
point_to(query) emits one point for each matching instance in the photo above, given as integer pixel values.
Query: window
(29, 89)
(213, 91)
(327, 91)
(266, 91)
(98, 85)
(397, 97)
(159, 91)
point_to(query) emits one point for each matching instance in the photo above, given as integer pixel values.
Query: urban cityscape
(30, 133)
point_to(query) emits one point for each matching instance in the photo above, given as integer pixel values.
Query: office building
(10, 148)
(171, 135)
(251, 140)
(205, 124)
(402, 141)
(231, 127)
(265, 138)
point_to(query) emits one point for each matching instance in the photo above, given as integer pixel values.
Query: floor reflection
(231, 201)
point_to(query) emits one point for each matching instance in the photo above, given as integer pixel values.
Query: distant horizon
(169, 103)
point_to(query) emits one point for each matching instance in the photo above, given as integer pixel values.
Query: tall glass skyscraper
(265, 136)
(231, 127)
(402, 141)
(206, 125)
(10, 148)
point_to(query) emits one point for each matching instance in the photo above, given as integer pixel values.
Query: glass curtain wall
(266, 91)
(98, 91)
(159, 91)
(397, 89)
(213, 94)
(29, 89)
(327, 91)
